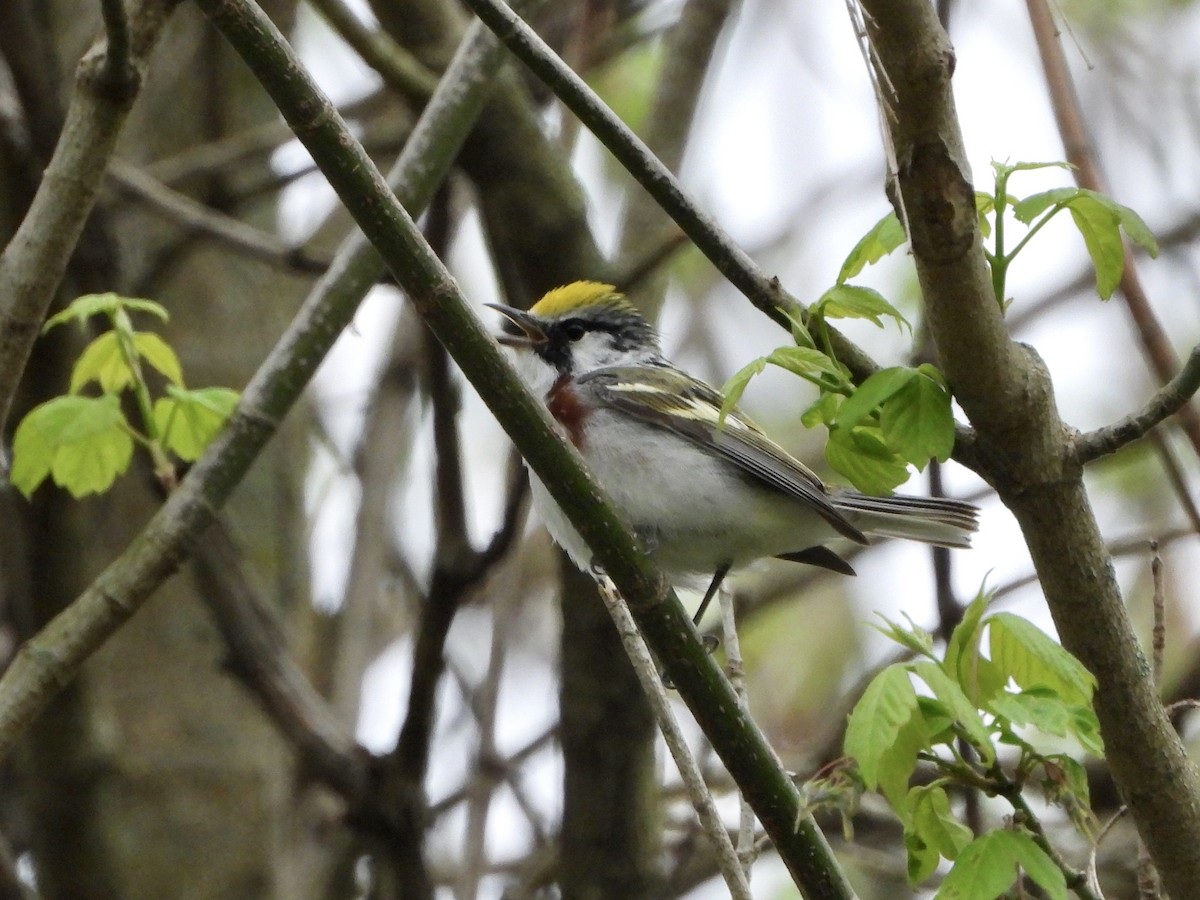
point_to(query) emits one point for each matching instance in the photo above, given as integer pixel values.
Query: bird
(705, 495)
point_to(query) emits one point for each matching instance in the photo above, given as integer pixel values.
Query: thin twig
(483, 704)
(194, 216)
(735, 667)
(500, 770)
(1091, 871)
(399, 69)
(1176, 478)
(1159, 640)
(1169, 399)
(119, 70)
(689, 771)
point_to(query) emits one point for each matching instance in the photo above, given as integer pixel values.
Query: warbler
(705, 495)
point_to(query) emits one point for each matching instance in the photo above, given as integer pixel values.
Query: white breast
(693, 511)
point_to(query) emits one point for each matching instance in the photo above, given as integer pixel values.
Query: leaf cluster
(897, 417)
(901, 416)
(1000, 681)
(1099, 220)
(84, 442)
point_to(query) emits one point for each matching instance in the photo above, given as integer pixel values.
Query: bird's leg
(713, 587)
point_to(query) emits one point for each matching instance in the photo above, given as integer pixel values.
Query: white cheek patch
(533, 370)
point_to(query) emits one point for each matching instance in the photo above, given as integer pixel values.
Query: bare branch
(1168, 400)
(398, 68)
(194, 216)
(258, 656)
(698, 792)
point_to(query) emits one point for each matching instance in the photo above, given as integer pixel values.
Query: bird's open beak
(521, 330)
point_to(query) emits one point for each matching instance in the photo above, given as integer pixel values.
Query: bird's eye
(574, 331)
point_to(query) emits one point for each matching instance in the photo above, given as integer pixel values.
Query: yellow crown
(580, 295)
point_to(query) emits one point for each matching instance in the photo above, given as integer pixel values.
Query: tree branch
(698, 792)
(1023, 447)
(732, 261)
(193, 216)
(259, 658)
(399, 70)
(1168, 400)
(687, 57)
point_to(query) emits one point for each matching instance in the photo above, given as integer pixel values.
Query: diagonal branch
(193, 216)
(259, 658)
(1167, 401)
(731, 260)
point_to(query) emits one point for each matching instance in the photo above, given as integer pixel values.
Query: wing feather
(669, 398)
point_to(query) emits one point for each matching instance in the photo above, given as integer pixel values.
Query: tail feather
(946, 523)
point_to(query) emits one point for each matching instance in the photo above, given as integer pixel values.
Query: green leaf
(917, 421)
(914, 638)
(976, 675)
(938, 722)
(923, 858)
(987, 867)
(885, 733)
(1034, 205)
(823, 412)
(1086, 729)
(1039, 707)
(865, 460)
(102, 361)
(932, 831)
(81, 442)
(1136, 228)
(1029, 656)
(849, 301)
(733, 389)
(964, 712)
(807, 362)
(885, 236)
(985, 205)
(83, 308)
(158, 353)
(188, 420)
(1098, 225)
(872, 392)
(1099, 220)
(32, 454)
